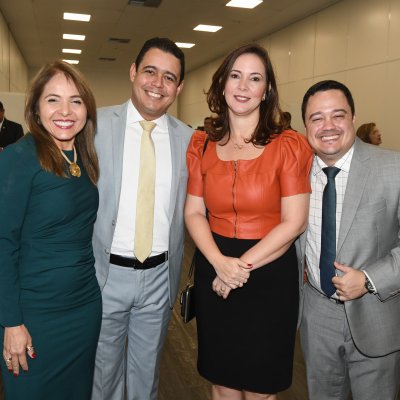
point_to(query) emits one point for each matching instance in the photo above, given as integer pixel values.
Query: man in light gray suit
(350, 335)
(139, 292)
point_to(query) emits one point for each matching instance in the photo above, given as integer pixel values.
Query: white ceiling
(37, 27)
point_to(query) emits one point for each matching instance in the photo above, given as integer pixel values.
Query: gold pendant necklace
(74, 169)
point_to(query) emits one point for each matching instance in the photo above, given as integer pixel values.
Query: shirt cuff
(372, 283)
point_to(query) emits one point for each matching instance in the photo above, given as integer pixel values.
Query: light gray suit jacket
(110, 147)
(369, 240)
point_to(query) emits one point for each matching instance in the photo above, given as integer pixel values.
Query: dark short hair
(166, 45)
(270, 122)
(1, 106)
(323, 86)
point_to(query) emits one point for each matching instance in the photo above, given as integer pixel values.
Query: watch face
(368, 285)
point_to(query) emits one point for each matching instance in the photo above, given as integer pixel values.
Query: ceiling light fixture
(72, 61)
(207, 28)
(73, 37)
(77, 17)
(72, 51)
(185, 45)
(244, 3)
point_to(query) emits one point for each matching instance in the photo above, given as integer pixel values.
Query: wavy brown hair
(364, 132)
(48, 153)
(270, 122)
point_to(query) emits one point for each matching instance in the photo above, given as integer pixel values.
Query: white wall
(354, 41)
(13, 75)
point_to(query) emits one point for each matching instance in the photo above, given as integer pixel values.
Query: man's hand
(351, 285)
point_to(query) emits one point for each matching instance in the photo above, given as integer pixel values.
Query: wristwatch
(368, 285)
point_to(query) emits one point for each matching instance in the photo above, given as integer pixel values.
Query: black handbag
(187, 298)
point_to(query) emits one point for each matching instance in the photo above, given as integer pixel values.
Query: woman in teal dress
(50, 301)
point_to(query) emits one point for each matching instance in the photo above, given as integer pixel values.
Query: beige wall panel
(3, 40)
(291, 96)
(192, 104)
(368, 88)
(368, 32)
(394, 30)
(302, 49)
(331, 39)
(280, 55)
(4, 49)
(266, 43)
(109, 88)
(4, 83)
(389, 121)
(18, 69)
(194, 114)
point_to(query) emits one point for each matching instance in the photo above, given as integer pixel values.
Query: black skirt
(246, 342)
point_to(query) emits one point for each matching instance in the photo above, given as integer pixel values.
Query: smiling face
(329, 125)
(246, 85)
(155, 83)
(61, 111)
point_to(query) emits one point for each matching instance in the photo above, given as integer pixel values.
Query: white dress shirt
(318, 182)
(124, 235)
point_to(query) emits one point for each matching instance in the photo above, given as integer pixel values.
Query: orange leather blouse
(243, 197)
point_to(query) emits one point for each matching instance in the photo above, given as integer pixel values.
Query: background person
(369, 133)
(351, 308)
(139, 292)
(253, 180)
(50, 302)
(10, 131)
(208, 125)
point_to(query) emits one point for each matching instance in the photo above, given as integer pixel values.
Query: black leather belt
(149, 262)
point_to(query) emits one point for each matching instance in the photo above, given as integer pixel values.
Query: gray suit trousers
(136, 313)
(334, 365)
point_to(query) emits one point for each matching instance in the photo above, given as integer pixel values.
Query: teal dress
(47, 275)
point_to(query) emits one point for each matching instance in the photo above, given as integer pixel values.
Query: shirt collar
(343, 163)
(133, 116)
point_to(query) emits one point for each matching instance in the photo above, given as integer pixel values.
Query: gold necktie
(145, 195)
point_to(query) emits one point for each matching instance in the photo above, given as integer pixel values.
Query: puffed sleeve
(193, 160)
(296, 155)
(15, 186)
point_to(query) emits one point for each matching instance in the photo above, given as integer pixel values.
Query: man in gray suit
(139, 292)
(350, 335)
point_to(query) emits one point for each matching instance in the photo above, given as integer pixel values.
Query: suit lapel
(359, 172)
(176, 159)
(118, 125)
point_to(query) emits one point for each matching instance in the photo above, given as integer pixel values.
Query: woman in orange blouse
(252, 178)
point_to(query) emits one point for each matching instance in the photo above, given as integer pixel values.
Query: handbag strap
(191, 269)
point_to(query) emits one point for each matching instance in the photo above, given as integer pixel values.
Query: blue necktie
(328, 232)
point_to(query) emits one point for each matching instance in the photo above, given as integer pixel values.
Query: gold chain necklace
(73, 166)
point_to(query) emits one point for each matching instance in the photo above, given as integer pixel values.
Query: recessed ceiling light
(72, 51)
(73, 37)
(185, 45)
(244, 3)
(77, 17)
(72, 61)
(207, 28)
